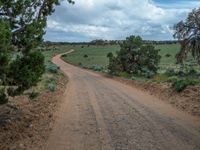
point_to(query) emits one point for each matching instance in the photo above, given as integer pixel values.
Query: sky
(116, 19)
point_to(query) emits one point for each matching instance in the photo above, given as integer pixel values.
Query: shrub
(180, 84)
(110, 55)
(51, 87)
(193, 73)
(3, 97)
(181, 73)
(50, 84)
(168, 55)
(170, 72)
(25, 71)
(172, 79)
(125, 75)
(53, 68)
(33, 95)
(133, 78)
(135, 57)
(97, 68)
(64, 55)
(147, 73)
(85, 56)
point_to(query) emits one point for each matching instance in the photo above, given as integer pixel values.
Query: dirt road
(102, 114)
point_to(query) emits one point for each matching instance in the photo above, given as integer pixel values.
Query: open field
(97, 55)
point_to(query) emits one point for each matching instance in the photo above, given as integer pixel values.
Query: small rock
(30, 135)
(50, 115)
(31, 125)
(21, 146)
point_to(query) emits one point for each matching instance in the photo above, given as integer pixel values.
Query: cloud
(116, 19)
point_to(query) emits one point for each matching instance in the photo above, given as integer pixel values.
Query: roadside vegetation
(52, 73)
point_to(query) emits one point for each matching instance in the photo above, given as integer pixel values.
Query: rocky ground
(25, 124)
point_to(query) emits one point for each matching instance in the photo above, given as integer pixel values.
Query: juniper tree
(188, 33)
(135, 57)
(22, 26)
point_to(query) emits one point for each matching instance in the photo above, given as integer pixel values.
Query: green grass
(97, 55)
(165, 49)
(49, 54)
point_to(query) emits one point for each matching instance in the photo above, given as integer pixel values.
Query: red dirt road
(98, 113)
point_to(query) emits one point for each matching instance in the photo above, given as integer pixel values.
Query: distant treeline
(105, 42)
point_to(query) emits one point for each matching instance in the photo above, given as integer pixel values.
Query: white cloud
(115, 19)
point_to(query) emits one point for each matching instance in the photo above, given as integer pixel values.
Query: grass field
(97, 55)
(170, 49)
(49, 54)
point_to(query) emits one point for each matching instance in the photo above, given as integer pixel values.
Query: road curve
(98, 113)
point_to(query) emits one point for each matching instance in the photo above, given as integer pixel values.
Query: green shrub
(3, 97)
(85, 56)
(26, 70)
(170, 72)
(53, 68)
(147, 73)
(168, 55)
(181, 73)
(193, 73)
(51, 87)
(33, 95)
(180, 84)
(64, 55)
(125, 75)
(110, 55)
(172, 79)
(96, 68)
(50, 84)
(133, 78)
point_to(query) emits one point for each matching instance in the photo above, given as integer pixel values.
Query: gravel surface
(99, 113)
